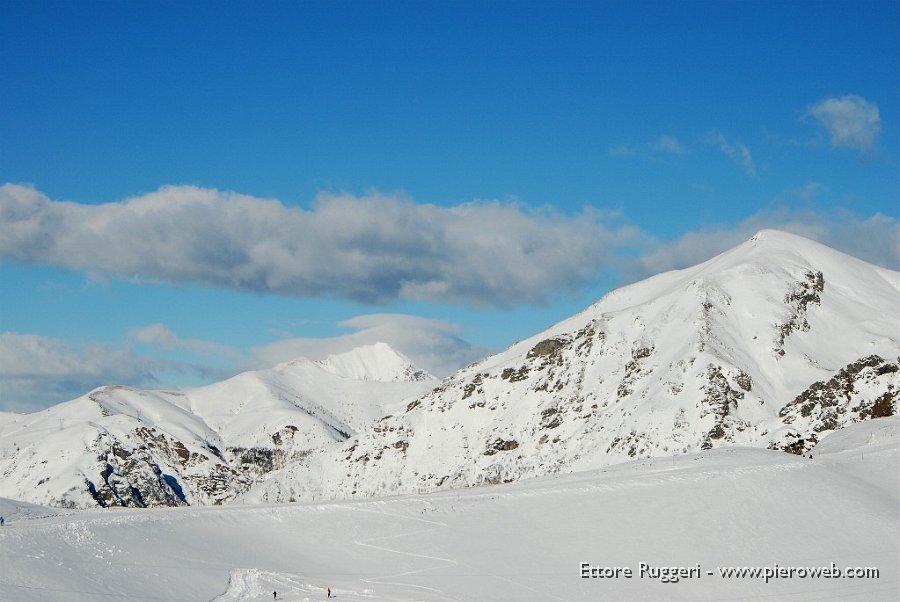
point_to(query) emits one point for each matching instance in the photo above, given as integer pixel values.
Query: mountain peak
(779, 251)
(770, 234)
(377, 362)
(771, 239)
(798, 245)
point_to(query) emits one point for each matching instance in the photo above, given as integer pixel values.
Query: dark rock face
(149, 468)
(864, 389)
(805, 293)
(884, 406)
(634, 370)
(132, 478)
(721, 400)
(499, 445)
(545, 348)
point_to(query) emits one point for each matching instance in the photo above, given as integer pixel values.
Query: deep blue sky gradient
(447, 101)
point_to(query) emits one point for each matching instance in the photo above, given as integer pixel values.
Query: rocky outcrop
(866, 388)
(803, 294)
(722, 396)
(148, 468)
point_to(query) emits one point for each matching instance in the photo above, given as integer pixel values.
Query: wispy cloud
(851, 121)
(664, 144)
(431, 344)
(734, 150)
(162, 336)
(669, 144)
(371, 249)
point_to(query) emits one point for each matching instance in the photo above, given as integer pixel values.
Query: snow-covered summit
(377, 362)
(774, 343)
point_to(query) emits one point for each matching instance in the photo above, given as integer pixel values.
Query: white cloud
(851, 121)
(430, 344)
(37, 371)
(372, 249)
(734, 150)
(162, 336)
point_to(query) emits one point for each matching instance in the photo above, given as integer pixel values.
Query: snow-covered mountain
(772, 344)
(374, 362)
(123, 446)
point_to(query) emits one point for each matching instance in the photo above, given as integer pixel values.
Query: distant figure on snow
(329, 592)
(1, 521)
(274, 595)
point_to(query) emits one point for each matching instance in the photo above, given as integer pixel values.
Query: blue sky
(191, 189)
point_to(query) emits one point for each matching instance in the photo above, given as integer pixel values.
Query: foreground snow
(523, 541)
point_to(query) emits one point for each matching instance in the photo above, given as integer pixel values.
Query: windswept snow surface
(726, 507)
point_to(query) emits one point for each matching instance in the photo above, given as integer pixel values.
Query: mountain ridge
(686, 360)
(774, 344)
(119, 445)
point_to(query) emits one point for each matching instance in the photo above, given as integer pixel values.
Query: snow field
(523, 541)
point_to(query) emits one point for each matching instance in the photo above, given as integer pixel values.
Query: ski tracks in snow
(250, 584)
(433, 593)
(432, 526)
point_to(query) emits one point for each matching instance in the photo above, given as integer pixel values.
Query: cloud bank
(370, 249)
(379, 248)
(851, 121)
(37, 371)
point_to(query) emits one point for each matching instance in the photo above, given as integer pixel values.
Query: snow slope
(687, 360)
(118, 445)
(725, 507)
